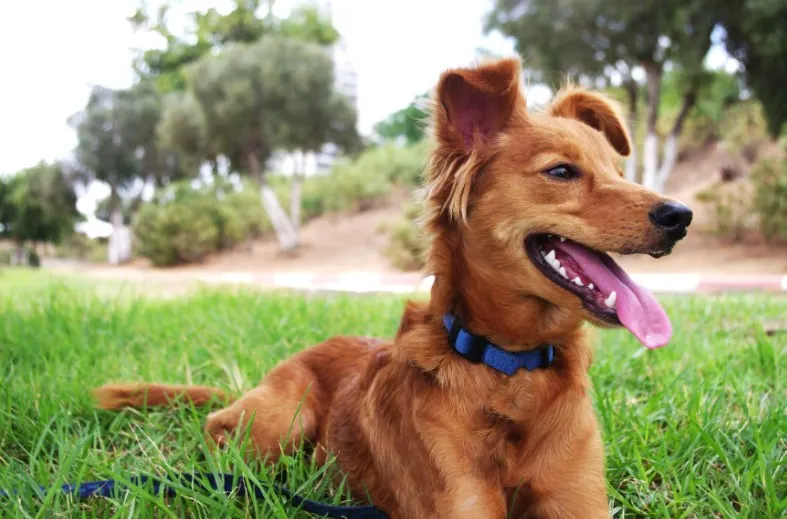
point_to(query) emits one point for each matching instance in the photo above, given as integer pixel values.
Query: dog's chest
(500, 438)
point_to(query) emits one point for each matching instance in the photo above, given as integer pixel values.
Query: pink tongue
(637, 309)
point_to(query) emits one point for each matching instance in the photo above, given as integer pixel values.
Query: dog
(480, 406)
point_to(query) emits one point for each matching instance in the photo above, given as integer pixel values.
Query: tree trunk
(631, 164)
(119, 246)
(295, 202)
(671, 145)
(653, 72)
(19, 256)
(295, 190)
(288, 238)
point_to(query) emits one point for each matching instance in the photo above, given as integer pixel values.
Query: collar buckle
(547, 356)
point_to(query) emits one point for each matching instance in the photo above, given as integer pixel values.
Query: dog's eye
(563, 172)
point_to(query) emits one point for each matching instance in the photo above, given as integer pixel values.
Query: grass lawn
(696, 429)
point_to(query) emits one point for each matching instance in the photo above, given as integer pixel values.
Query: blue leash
(226, 482)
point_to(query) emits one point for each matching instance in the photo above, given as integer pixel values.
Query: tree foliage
(7, 209)
(38, 204)
(246, 22)
(245, 97)
(116, 139)
(757, 37)
(406, 124)
(602, 40)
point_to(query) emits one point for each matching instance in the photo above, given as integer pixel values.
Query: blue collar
(477, 349)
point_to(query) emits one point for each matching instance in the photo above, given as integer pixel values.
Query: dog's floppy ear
(471, 107)
(595, 110)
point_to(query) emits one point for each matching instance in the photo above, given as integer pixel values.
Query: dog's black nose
(672, 217)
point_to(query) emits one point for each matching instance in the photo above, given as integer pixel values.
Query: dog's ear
(475, 104)
(595, 110)
(471, 107)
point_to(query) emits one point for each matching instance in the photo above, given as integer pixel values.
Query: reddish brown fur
(423, 431)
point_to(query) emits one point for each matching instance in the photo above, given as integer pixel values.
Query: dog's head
(524, 206)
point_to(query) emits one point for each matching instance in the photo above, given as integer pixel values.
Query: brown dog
(519, 207)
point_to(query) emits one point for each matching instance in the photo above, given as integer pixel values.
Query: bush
(730, 208)
(362, 184)
(313, 197)
(175, 233)
(400, 165)
(407, 242)
(743, 130)
(79, 246)
(33, 259)
(769, 179)
(247, 206)
(184, 224)
(26, 256)
(354, 187)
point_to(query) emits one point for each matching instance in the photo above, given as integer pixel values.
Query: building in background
(346, 82)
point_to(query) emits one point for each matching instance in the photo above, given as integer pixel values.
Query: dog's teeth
(555, 264)
(549, 236)
(591, 287)
(562, 239)
(550, 257)
(578, 282)
(562, 271)
(610, 301)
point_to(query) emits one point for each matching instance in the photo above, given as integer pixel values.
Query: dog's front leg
(575, 491)
(469, 496)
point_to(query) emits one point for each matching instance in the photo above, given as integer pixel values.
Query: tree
(247, 22)
(406, 124)
(116, 144)
(38, 205)
(277, 93)
(600, 40)
(313, 113)
(7, 208)
(182, 128)
(757, 37)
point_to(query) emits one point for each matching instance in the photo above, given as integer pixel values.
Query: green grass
(696, 429)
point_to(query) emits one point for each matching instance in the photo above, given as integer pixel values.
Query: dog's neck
(421, 343)
(487, 304)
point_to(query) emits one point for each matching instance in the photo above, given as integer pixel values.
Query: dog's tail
(118, 396)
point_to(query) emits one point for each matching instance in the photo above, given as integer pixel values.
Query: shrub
(769, 179)
(730, 205)
(33, 259)
(183, 224)
(400, 165)
(407, 242)
(743, 130)
(362, 184)
(247, 206)
(81, 247)
(313, 197)
(25, 256)
(176, 232)
(354, 187)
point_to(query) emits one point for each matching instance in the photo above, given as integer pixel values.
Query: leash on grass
(227, 483)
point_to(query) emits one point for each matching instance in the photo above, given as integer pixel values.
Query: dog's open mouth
(603, 286)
